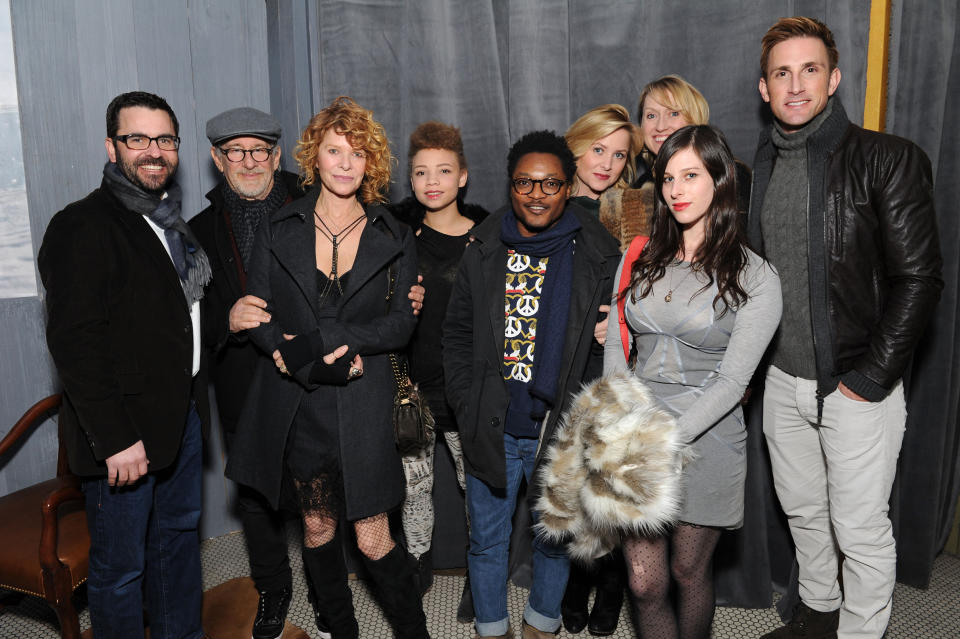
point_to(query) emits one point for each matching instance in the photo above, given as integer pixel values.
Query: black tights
(686, 555)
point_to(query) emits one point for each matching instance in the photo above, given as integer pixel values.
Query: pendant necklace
(336, 239)
(669, 296)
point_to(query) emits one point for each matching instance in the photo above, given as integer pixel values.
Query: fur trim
(411, 212)
(614, 468)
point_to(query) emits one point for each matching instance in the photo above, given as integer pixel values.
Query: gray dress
(698, 364)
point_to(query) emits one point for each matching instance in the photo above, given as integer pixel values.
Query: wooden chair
(44, 542)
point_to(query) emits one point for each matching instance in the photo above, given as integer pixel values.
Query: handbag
(413, 422)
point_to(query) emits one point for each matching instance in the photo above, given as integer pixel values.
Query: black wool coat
(233, 358)
(283, 272)
(119, 331)
(473, 338)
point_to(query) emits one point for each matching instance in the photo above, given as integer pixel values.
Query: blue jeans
(147, 533)
(491, 512)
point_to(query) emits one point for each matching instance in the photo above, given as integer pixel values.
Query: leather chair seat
(20, 525)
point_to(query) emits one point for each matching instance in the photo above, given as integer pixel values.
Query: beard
(151, 182)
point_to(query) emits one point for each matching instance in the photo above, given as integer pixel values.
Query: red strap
(636, 247)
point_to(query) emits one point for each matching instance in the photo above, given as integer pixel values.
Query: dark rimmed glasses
(549, 186)
(140, 142)
(236, 154)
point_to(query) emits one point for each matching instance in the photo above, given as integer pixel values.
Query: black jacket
(232, 357)
(119, 331)
(473, 334)
(873, 248)
(283, 272)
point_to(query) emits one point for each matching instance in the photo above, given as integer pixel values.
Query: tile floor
(929, 614)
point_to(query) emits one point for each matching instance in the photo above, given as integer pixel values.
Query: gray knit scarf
(192, 264)
(245, 215)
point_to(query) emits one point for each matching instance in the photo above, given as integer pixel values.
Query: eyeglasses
(260, 154)
(140, 142)
(549, 186)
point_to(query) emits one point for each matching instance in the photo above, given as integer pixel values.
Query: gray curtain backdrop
(497, 69)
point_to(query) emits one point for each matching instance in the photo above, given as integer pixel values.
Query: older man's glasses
(260, 154)
(549, 186)
(139, 142)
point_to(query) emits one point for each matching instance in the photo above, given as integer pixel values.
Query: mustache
(157, 161)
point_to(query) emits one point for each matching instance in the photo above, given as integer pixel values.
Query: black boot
(332, 599)
(424, 572)
(396, 587)
(611, 580)
(573, 608)
(465, 612)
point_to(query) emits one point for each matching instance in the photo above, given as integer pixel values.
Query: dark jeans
(147, 534)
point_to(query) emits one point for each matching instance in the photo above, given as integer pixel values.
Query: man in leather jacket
(846, 216)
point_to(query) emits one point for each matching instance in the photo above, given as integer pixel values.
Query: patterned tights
(686, 556)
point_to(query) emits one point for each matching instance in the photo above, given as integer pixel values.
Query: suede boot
(610, 580)
(807, 623)
(333, 601)
(573, 608)
(396, 587)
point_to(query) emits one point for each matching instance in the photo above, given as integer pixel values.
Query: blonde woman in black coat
(319, 411)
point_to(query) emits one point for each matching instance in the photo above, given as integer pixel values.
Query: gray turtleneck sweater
(783, 220)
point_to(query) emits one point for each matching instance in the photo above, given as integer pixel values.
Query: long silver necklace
(336, 239)
(669, 296)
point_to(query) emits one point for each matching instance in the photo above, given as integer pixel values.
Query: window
(17, 272)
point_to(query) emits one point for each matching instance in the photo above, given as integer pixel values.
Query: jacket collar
(294, 239)
(145, 238)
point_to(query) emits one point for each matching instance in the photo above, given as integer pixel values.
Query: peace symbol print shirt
(524, 286)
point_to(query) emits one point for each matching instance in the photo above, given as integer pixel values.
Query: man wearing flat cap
(244, 149)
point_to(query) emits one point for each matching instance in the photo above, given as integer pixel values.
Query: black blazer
(283, 272)
(119, 331)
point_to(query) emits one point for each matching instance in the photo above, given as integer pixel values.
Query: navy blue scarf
(555, 243)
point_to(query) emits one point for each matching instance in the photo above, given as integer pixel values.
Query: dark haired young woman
(700, 308)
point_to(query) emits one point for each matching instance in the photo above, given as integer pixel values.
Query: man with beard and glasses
(245, 149)
(124, 276)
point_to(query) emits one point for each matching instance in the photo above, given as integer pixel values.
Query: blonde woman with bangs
(666, 105)
(317, 430)
(606, 145)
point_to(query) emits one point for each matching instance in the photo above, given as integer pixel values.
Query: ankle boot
(611, 580)
(465, 612)
(331, 596)
(573, 608)
(396, 587)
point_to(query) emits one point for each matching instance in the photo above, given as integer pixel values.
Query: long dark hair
(722, 255)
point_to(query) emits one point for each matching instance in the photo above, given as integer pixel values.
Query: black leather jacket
(873, 247)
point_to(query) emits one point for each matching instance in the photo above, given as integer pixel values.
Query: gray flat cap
(243, 121)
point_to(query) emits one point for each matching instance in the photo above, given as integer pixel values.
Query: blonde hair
(599, 122)
(674, 92)
(347, 118)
